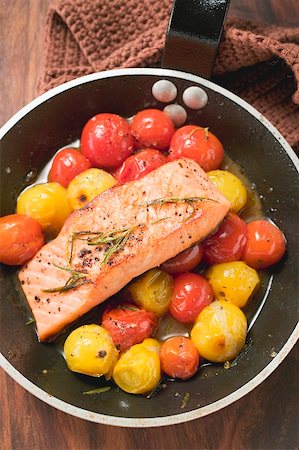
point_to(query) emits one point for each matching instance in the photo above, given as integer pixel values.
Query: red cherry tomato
(185, 261)
(191, 293)
(67, 164)
(138, 165)
(20, 239)
(228, 243)
(152, 128)
(179, 357)
(106, 141)
(128, 324)
(199, 144)
(265, 245)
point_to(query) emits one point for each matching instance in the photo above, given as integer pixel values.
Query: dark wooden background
(266, 419)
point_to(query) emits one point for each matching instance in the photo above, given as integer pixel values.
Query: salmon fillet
(147, 221)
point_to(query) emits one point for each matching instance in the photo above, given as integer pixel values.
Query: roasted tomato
(152, 128)
(67, 164)
(87, 185)
(231, 187)
(89, 350)
(138, 165)
(138, 370)
(219, 332)
(106, 141)
(233, 281)
(185, 261)
(152, 291)
(179, 357)
(128, 324)
(20, 239)
(48, 204)
(199, 144)
(190, 294)
(228, 243)
(265, 246)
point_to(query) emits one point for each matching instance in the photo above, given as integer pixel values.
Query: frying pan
(55, 119)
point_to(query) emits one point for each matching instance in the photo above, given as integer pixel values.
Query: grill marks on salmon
(162, 220)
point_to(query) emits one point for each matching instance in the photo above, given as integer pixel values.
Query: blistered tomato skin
(106, 141)
(152, 291)
(233, 281)
(152, 128)
(198, 144)
(48, 204)
(191, 293)
(89, 350)
(228, 243)
(219, 332)
(138, 370)
(128, 325)
(87, 185)
(179, 357)
(265, 246)
(20, 239)
(139, 164)
(184, 261)
(231, 187)
(67, 164)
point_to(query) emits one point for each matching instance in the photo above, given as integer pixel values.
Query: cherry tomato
(138, 370)
(191, 293)
(20, 239)
(219, 332)
(128, 325)
(265, 245)
(138, 165)
(228, 242)
(106, 140)
(48, 204)
(199, 144)
(152, 128)
(179, 357)
(67, 164)
(89, 350)
(231, 187)
(233, 281)
(152, 291)
(184, 261)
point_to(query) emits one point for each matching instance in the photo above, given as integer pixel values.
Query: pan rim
(225, 401)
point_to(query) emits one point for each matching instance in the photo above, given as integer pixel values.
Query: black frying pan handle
(193, 35)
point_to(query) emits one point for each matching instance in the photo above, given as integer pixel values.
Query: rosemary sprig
(116, 237)
(189, 200)
(98, 390)
(185, 400)
(119, 243)
(76, 279)
(30, 321)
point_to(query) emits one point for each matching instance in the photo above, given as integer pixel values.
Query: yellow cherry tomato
(219, 331)
(138, 370)
(89, 349)
(233, 281)
(48, 204)
(231, 187)
(152, 344)
(153, 291)
(87, 185)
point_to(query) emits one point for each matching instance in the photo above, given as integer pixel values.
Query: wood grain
(264, 419)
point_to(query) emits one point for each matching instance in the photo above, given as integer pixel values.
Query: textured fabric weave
(257, 61)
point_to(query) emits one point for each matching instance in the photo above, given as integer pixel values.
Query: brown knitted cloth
(257, 61)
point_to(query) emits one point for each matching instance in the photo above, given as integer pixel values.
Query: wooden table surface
(264, 419)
